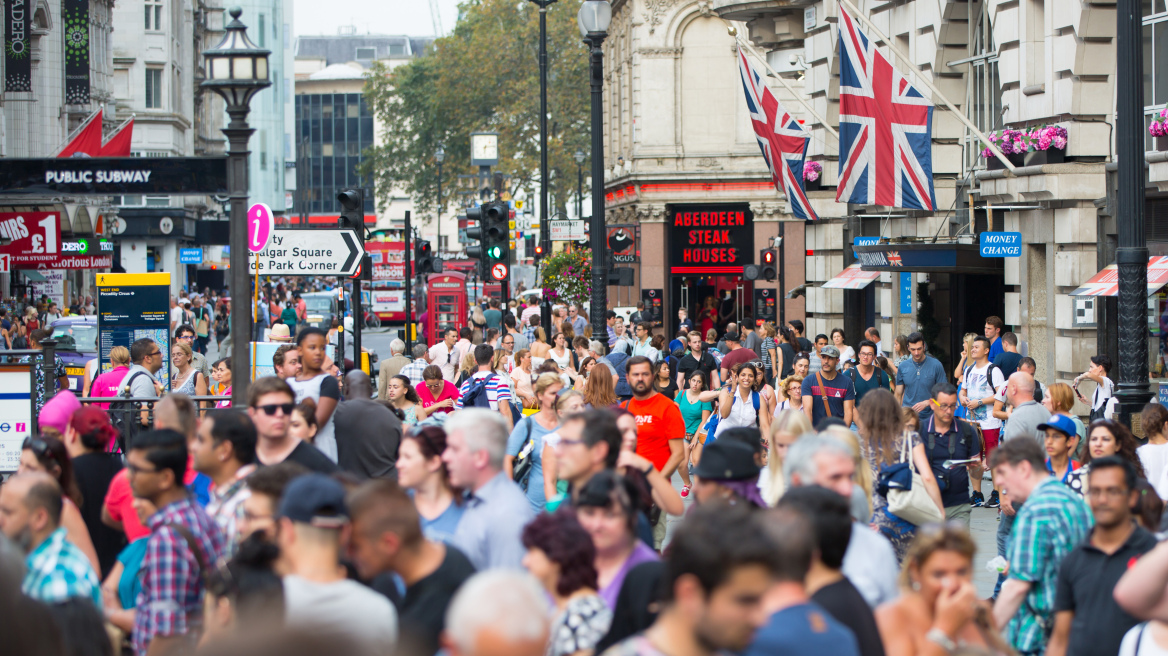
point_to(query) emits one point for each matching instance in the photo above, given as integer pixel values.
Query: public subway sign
(710, 239)
(1001, 244)
(114, 175)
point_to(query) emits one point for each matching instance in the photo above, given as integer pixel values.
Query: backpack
(124, 414)
(881, 380)
(477, 397)
(989, 377)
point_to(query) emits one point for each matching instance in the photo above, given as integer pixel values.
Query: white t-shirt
(446, 358)
(977, 386)
(176, 316)
(1154, 458)
(1102, 393)
(1148, 646)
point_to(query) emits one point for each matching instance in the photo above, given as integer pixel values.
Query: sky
(408, 17)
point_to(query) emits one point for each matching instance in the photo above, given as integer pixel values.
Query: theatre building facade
(678, 142)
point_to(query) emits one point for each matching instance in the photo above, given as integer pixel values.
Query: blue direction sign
(190, 255)
(1001, 244)
(865, 241)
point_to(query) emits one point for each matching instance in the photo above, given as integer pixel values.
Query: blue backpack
(477, 397)
(711, 426)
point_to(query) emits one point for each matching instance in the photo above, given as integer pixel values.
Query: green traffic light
(495, 252)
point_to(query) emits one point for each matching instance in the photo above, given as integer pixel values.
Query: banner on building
(17, 47)
(37, 244)
(75, 15)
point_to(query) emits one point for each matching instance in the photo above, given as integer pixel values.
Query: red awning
(1106, 282)
(852, 277)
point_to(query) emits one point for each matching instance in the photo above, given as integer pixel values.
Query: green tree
(482, 77)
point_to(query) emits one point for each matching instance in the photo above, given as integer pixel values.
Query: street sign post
(335, 252)
(566, 230)
(499, 271)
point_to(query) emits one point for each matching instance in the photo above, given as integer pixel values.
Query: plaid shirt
(171, 600)
(414, 371)
(529, 334)
(58, 571)
(226, 506)
(1052, 521)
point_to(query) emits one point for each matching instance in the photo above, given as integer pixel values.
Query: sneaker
(977, 500)
(994, 502)
(684, 491)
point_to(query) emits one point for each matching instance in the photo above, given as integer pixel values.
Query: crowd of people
(499, 492)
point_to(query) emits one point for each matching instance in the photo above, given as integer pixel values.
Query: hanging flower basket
(1041, 145)
(1159, 129)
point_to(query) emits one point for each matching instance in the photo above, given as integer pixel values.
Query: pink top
(107, 384)
(225, 403)
(449, 391)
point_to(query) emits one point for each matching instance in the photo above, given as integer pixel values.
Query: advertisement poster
(52, 286)
(15, 413)
(17, 47)
(75, 14)
(131, 306)
(37, 244)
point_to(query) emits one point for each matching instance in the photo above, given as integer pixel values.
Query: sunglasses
(36, 445)
(271, 408)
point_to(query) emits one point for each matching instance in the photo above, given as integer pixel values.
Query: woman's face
(559, 340)
(782, 441)
(608, 527)
(412, 466)
(573, 405)
(1048, 403)
(589, 367)
(544, 569)
(435, 387)
(746, 379)
(547, 400)
(695, 383)
(224, 374)
(299, 428)
(526, 362)
(944, 571)
(837, 339)
(663, 371)
(795, 392)
(29, 463)
(1102, 443)
(802, 367)
(395, 389)
(178, 358)
(627, 424)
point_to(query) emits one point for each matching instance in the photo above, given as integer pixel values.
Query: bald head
(30, 508)
(1020, 388)
(177, 413)
(357, 385)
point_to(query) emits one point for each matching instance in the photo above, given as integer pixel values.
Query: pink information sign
(260, 225)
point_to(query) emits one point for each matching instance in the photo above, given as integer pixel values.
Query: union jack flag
(885, 129)
(782, 140)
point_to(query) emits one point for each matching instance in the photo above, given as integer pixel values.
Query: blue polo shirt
(996, 348)
(918, 381)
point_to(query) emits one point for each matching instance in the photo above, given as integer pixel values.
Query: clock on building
(484, 149)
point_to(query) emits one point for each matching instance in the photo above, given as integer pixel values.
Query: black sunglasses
(37, 446)
(271, 408)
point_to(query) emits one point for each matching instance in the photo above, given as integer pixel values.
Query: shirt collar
(952, 425)
(54, 542)
(1139, 534)
(168, 512)
(484, 493)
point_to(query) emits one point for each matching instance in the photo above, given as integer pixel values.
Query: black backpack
(124, 414)
(476, 397)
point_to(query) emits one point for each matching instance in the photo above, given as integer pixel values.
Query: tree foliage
(482, 77)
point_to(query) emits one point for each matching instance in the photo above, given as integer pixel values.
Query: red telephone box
(446, 302)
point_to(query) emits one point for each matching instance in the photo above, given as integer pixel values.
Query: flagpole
(797, 94)
(73, 135)
(927, 82)
(117, 130)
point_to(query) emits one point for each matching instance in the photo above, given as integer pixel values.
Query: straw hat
(280, 333)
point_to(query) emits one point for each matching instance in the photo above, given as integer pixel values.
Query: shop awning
(33, 276)
(1106, 282)
(852, 277)
(929, 257)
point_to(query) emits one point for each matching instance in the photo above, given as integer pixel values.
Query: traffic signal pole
(408, 277)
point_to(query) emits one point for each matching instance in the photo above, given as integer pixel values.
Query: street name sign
(334, 252)
(566, 230)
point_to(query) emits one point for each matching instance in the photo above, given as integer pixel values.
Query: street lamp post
(579, 185)
(439, 155)
(544, 228)
(1131, 257)
(237, 70)
(594, 17)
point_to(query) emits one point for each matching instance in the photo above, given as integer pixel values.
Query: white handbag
(914, 506)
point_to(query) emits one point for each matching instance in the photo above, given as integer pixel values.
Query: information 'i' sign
(260, 224)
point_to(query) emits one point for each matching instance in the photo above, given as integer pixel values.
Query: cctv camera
(792, 59)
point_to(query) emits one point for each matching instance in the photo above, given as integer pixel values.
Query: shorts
(991, 439)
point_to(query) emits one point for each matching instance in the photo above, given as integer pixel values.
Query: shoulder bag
(823, 394)
(521, 467)
(913, 503)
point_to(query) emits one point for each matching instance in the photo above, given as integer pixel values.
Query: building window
(153, 88)
(1036, 37)
(984, 94)
(1155, 46)
(158, 201)
(366, 53)
(153, 15)
(263, 33)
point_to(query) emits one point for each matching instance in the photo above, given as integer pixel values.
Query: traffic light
(424, 260)
(353, 210)
(476, 236)
(769, 264)
(494, 236)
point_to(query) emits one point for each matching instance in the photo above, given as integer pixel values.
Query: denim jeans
(1004, 527)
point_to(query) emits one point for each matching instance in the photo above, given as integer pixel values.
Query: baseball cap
(829, 352)
(727, 460)
(1062, 424)
(732, 337)
(315, 499)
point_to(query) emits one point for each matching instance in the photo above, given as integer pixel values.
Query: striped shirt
(1053, 520)
(497, 389)
(57, 571)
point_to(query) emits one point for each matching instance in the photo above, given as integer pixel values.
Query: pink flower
(1059, 142)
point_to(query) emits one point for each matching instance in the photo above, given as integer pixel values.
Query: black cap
(732, 337)
(315, 499)
(727, 460)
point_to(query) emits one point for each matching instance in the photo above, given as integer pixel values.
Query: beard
(23, 539)
(641, 387)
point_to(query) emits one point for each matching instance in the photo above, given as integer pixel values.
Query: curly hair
(565, 542)
(1123, 438)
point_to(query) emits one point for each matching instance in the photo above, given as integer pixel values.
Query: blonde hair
(468, 364)
(931, 541)
(497, 359)
(864, 477)
(786, 382)
(119, 356)
(562, 400)
(796, 423)
(545, 381)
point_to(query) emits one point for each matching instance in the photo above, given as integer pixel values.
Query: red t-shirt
(658, 421)
(449, 391)
(738, 356)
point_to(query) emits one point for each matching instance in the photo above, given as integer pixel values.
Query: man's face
(153, 361)
(369, 552)
(450, 338)
(573, 458)
(733, 611)
(834, 472)
(509, 343)
(1109, 497)
(259, 516)
(459, 460)
(572, 311)
(291, 364)
(1027, 369)
(978, 350)
(828, 363)
(640, 378)
(203, 448)
(145, 479)
(943, 407)
(867, 355)
(1014, 478)
(642, 334)
(274, 426)
(694, 340)
(1057, 444)
(991, 332)
(917, 351)
(15, 518)
(187, 337)
(819, 344)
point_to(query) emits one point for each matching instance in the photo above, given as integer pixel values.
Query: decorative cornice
(659, 52)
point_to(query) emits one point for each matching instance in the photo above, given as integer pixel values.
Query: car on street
(76, 339)
(320, 309)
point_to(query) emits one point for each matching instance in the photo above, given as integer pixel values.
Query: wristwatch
(938, 637)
